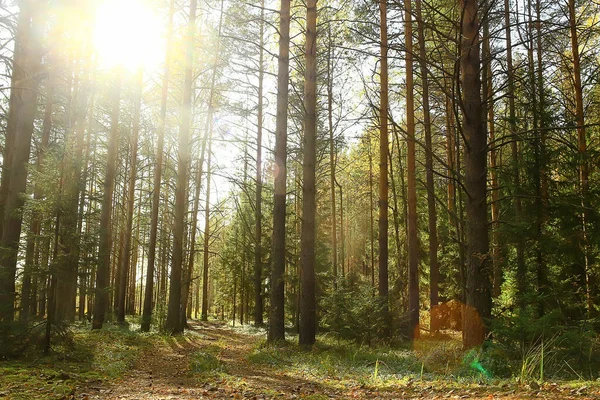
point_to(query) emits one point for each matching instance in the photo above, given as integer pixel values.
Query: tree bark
(21, 115)
(383, 173)
(173, 322)
(206, 234)
(104, 246)
(332, 154)
(258, 268)
(149, 290)
(477, 310)
(126, 260)
(31, 261)
(277, 315)
(434, 270)
(582, 150)
(519, 243)
(413, 245)
(308, 323)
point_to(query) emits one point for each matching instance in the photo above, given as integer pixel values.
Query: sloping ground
(212, 361)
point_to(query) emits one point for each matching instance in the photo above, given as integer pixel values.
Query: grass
(94, 358)
(207, 362)
(338, 360)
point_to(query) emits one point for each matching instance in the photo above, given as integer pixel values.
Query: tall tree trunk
(383, 172)
(434, 271)
(332, 154)
(104, 246)
(395, 214)
(194, 227)
(543, 175)
(477, 290)
(21, 115)
(149, 291)
(582, 149)
(495, 189)
(33, 240)
(343, 243)
(126, 260)
(206, 234)
(413, 245)
(276, 315)
(258, 295)
(70, 240)
(173, 322)
(519, 244)
(308, 323)
(371, 218)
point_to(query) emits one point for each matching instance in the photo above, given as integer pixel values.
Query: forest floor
(214, 361)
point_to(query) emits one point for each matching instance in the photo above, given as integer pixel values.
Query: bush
(547, 347)
(352, 311)
(20, 337)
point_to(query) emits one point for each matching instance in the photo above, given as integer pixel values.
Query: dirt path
(164, 372)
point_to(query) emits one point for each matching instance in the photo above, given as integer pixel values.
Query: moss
(93, 357)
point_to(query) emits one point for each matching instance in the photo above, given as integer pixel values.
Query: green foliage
(339, 359)
(352, 311)
(547, 347)
(19, 338)
(91, 357)
(206, 361)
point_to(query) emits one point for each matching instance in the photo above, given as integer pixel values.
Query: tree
(22, 108)
(173, 322)
(258, 296)
(478, 299)
(413, 251)
(383, 171)
(158, 167)
(308, 323)
(277, 312)
(431, 209)
(105, 237)
(126, 260)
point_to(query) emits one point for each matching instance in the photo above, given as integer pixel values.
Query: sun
(128, 33)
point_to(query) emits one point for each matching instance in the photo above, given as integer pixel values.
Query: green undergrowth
(91, 359)
(430, 362)
(338, 359)
(207, 361)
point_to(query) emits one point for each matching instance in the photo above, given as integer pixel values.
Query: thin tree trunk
(276, 315)
(173, 322)
(258, 268)
(371, 218)
(33, 239)
(308, 323)
(332, 153)
(384, 149)
(543, 175)
(104, 246)
(126, 260)
(413, 245)
(582, 149)
(495, 190)
(206, 234)
(519, 243)
(149, 292)
(434, 270)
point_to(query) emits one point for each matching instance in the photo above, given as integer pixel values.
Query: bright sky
(128, 33)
